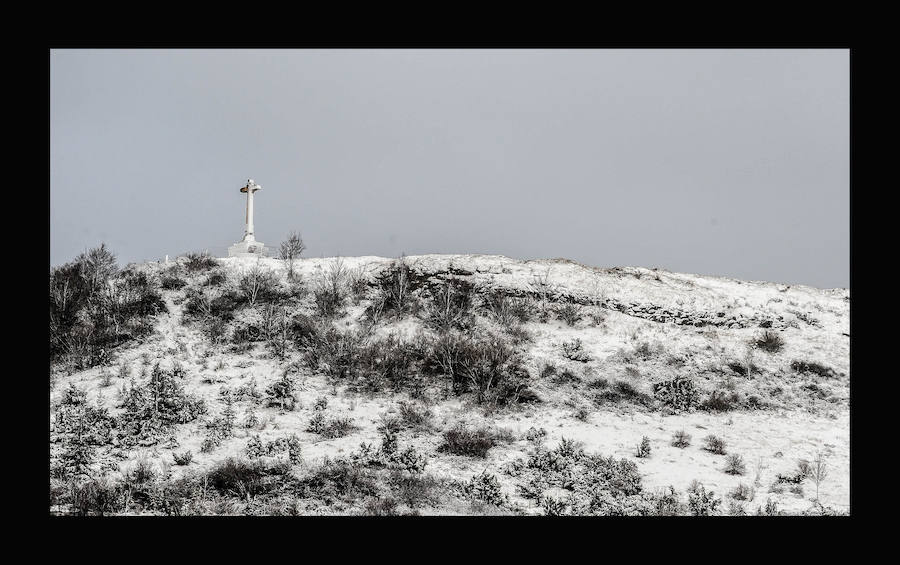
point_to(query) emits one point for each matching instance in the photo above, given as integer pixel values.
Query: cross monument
(248, 247)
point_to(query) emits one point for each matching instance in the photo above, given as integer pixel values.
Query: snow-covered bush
(714, 444)
(702, 502)
(471, 441)
(449, 305)
(393, 293)
(485, 487)
(80, 429)
(678, 393)
(569, 313)
(153, 407)
(681, 439)
(574, 351)
(734, 465)
(93, 308)
(281, 393)
(197, 262)
(769, 341)
(330, 428)
(643, 450)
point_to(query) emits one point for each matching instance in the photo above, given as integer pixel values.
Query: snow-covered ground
(802, 415)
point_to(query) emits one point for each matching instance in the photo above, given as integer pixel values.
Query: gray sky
(720, 162)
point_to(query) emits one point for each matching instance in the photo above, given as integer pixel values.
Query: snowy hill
(402, 356)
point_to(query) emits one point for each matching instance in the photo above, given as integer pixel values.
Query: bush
(485, 487)
(701, 502)
(281, 393)
(769, 341)
(574, 351)
(93, 308)
(81, 428)
(471, 442)
(290, 250)
(643, 450)
(330, 290)
(570, 313)
(154, 407)
(338, 477)
(394, 292)
(450, 306)
(200, 262)
(258, 284)
(681, 439)
(247, 479)
(486, 365)
(381, 507)
(330, 428)
(742, 492)
(678, 394)
(415, 416)
(719, 401)
(599, 485)
(415, 490)
(535, 434)
(183, 458)
(172, 282)
(216, 278)
(506, 310)
(734, 465)
(814, 368)
(624, 391)
(552, 506)
(714, 444)
(96, 496)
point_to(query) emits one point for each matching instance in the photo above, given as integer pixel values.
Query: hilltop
(475, 384)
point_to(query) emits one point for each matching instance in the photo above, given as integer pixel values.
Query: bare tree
(256, 280)
(291, 248)
(818, 472)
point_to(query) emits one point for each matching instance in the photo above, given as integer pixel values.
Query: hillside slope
(594, 356)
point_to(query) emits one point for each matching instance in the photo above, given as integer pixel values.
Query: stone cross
(249, 247)
(249, 188)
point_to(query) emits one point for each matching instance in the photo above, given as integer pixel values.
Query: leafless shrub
(255, 283)
(330, 289)
(769, 341)
(450, 306)
(818, 472)
(714, 444)
(290, 250)
(681, 439)
(734, 465)
(570, 313)
(742, 492)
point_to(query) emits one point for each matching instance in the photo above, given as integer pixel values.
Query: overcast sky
(719, 162)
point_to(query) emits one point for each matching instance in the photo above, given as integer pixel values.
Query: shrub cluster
(702, 502)
(290, 445)
(462, 439)
(152, 408)
(479, 363)
(94, 307)
(814, 368)
(678, 394)
(598, 485)
(485, 487)
(330, 428)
